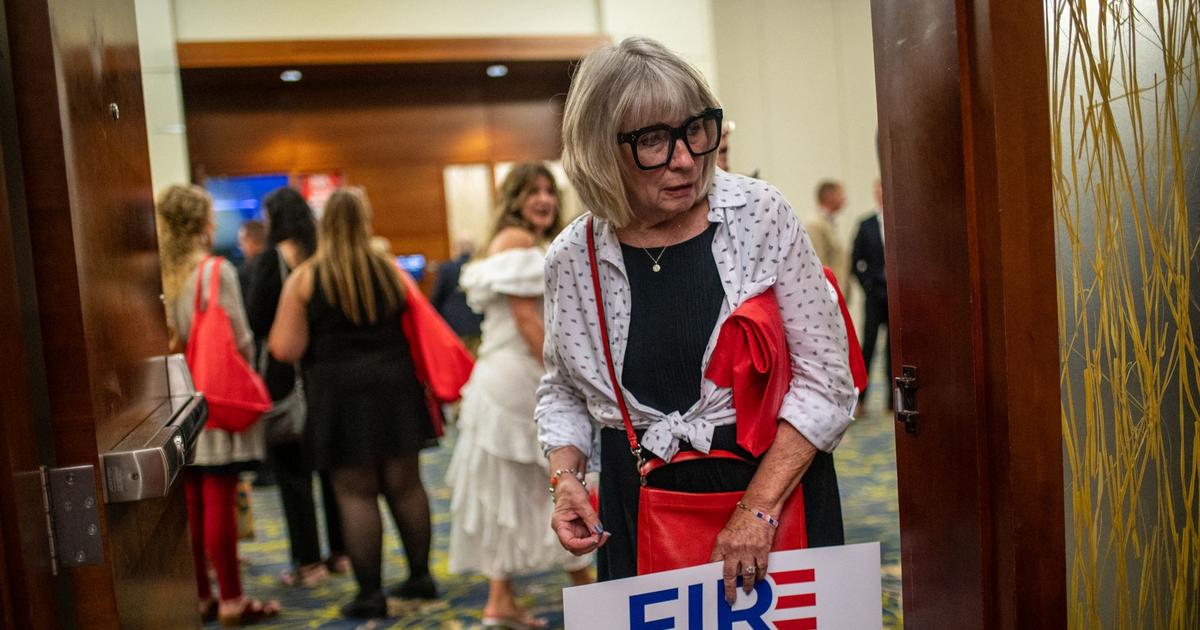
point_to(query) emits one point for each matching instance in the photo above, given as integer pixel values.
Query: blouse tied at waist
(751, 357)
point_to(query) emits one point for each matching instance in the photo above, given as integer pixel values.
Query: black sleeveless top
(673, 314)
(334, 337)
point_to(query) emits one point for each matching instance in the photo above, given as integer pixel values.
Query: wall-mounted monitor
(414, 264)
(235, 201)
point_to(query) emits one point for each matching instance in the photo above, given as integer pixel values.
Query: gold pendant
(656, 268)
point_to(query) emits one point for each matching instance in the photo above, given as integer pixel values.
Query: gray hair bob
(618, 88)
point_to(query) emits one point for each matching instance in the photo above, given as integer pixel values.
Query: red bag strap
(634, 447)
(199, 286)
(644, 466)
(214, 283)
(688, 456)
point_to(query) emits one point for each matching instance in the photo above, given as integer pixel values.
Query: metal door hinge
(904, 395)
(72, 516)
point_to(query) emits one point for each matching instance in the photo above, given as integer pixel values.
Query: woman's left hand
(743, 545)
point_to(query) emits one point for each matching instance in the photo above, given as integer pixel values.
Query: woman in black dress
(291, 239)
(340, 316)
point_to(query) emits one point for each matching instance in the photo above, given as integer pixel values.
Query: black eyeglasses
(654, 146)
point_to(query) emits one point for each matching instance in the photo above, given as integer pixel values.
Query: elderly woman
(679, 246)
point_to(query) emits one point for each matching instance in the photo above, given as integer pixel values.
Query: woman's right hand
(576, 523)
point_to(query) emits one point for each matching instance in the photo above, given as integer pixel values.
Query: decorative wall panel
(1126, 133)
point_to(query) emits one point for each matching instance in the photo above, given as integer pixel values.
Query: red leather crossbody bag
(679, 529)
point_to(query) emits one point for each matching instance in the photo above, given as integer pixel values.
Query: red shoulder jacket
(752, 358)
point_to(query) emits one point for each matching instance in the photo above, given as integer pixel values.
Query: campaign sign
(828, 588)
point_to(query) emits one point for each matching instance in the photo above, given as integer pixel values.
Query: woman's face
(668, 190)
(540, 207)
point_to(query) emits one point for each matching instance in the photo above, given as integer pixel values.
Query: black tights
(357, 490)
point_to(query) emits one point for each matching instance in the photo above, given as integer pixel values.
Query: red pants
(211, 501)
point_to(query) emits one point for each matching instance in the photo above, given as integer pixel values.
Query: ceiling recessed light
(290, 76)
(497, 70)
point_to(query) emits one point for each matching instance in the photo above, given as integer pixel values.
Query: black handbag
(284, 423)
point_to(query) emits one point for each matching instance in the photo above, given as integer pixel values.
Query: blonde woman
(498, 475)
(185, 234)
(339, 315)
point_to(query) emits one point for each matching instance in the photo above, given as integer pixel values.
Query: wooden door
(965, 155)
(92, 322)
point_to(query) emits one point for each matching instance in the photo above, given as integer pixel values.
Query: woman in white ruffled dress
(498, 474)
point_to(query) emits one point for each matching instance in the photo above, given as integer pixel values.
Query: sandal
(252, 612)
(527, 622)
(307, 576)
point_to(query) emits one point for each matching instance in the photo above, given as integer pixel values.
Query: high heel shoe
(422, 587)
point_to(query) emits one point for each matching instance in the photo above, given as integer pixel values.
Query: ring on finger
(751, 570)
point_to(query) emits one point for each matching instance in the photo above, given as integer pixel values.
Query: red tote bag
(235, 394)
(442, 362)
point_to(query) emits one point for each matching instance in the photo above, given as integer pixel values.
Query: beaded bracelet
(580, 477)
(763, 516)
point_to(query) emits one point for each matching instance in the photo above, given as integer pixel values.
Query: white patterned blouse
(759, 242)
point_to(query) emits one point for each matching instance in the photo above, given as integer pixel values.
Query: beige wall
(160, 88)
(220, 20)
(685, 25)
(798, 78)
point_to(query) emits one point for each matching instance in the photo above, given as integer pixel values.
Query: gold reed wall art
(1126, 133)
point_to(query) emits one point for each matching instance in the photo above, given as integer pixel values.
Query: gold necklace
(656, 267)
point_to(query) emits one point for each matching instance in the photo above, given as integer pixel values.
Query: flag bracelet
(759, 514)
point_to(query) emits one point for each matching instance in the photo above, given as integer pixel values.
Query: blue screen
(414, 264)
(235, 201)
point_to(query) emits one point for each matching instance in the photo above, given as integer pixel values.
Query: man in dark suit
(867, 263)
(450, 302)
(252, 241)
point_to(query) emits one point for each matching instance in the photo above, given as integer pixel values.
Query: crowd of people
(599, 347)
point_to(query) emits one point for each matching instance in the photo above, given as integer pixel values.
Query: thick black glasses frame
(676, 134)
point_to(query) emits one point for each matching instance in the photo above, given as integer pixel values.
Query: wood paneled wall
(391, 129)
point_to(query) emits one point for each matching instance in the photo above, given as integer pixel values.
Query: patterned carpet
(866, 467)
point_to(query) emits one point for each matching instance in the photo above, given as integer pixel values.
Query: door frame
(963, 85)
(32, 595)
